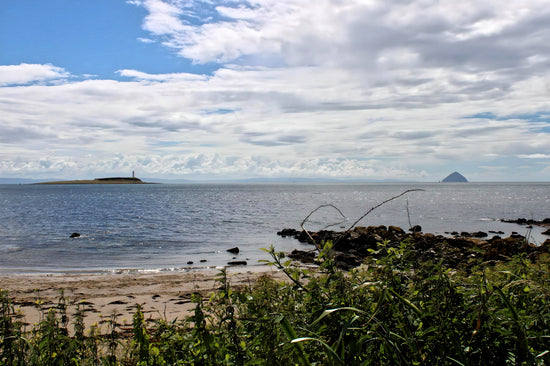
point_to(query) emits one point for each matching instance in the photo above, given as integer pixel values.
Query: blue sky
(201, 89)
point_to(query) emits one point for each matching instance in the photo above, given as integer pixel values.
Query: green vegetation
(391, 311)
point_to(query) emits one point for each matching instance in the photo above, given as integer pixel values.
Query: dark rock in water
(288, 232)
(480, 234)
(74, 235)
(203, 260)
(190, 262)
(547, 232)
(455, 177)
(524, 221)
(416, 229)
(466, 234)
(237, 263)
(233, 250)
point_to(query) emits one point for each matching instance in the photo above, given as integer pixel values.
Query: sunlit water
(163, 227)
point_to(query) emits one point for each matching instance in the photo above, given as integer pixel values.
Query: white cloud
(326, 88)
(159, 77)
(535, 156)
(28, 73)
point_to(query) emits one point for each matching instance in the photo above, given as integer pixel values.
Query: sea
(187, 227)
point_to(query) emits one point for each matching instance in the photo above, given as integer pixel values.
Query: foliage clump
(391, 310)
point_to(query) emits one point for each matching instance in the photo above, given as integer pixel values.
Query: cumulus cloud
(28, 73)
(352, 88)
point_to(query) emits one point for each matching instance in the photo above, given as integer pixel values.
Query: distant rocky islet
(455, 177)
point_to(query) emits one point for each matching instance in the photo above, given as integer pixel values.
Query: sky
(344, 89)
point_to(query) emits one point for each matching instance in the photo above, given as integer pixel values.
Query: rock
(74, 235)
(233, 250)
(302, 256)
(288, 232)
(190, 262)
(547, 232)
(523, 221)
(203, 260)
(352, 248)
(480, 234)
(465, 234)
(416, 229)
(237, 263)
(347, 261)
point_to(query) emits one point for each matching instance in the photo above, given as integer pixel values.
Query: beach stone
(74, 235)
(237, 263)
(234, 250)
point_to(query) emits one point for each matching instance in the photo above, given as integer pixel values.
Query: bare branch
(357, 221)
(315, 210)
(374, 208)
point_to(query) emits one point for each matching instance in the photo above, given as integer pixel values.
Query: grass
(391, 311)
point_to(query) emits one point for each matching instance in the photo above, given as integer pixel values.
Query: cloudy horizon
(201, 89)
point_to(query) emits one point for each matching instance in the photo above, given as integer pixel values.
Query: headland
(109, 180)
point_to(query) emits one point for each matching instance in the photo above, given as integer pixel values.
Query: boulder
(302, 256)
(416, 229)
(234, 250)
(74, 235)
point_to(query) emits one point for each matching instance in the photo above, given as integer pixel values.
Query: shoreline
(162, 295)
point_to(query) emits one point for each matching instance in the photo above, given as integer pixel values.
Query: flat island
(111, 180)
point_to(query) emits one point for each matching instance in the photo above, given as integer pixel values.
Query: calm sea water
(163, 227)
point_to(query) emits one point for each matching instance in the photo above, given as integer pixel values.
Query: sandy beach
(162, 295)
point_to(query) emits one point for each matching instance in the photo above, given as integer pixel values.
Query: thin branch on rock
(315, 210)
(357, 221)
(408, 213)
(375, 207)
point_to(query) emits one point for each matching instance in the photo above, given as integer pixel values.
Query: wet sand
(164, 295)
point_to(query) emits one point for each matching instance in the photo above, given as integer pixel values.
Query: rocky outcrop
(523, 221)
(461, 252)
